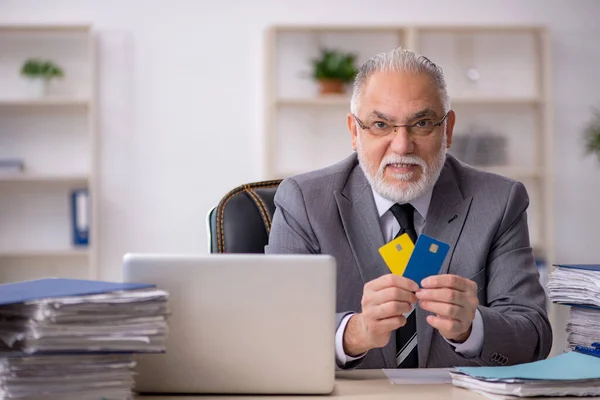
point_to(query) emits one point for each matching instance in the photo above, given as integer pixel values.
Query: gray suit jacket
(483, 218)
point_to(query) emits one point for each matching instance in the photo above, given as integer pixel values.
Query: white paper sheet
(576, 286)
(419, 376)
(529, 388)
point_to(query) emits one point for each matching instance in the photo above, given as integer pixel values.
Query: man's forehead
(399, 92)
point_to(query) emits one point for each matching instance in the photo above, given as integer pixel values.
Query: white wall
(182, 104)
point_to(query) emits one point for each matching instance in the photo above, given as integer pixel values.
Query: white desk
(363, 385)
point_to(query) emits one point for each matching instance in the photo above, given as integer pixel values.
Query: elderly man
(486, 306)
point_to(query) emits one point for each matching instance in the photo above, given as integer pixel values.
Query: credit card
(397, 253)
(426, 259)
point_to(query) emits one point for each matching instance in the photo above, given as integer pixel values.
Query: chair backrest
(241, 222)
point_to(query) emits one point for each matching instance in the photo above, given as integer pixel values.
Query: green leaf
(334, 64)
(37, 68)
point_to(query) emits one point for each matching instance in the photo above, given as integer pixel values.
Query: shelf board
(344, 100)
(513, 172)
(486, 100)
(42, 178)
(45, 102)
(84, 252)
(481, 29)
(43, 28)
(509, 172)
(325, 100)
(339, 28)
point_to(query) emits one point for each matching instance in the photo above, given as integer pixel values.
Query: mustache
(398, 159)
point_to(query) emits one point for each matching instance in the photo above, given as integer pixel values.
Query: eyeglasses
(421, 128)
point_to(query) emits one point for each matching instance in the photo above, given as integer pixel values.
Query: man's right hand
(384, 301)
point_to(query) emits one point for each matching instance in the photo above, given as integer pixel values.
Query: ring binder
(80, 217)
(591, 351)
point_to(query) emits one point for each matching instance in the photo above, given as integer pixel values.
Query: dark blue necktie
(406, 336)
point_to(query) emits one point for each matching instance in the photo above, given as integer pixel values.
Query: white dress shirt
(390, 227)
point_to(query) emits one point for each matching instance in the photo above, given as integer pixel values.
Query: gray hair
(395, 61)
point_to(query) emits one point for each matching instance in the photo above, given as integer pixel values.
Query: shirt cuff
(474, 344)
(341, 357)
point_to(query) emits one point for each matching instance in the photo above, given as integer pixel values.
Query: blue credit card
(427, 258)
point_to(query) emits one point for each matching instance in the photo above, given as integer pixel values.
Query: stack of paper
(66, 377)
(579, 287)
(569, 374)
(583, 327)
(63, 338)
(575, 284)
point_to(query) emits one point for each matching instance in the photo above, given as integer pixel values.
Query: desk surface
(362, 384)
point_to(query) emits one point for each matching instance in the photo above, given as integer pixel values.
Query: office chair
(241, 222)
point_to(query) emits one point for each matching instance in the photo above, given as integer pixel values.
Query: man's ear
(450, 121)
(352, 129)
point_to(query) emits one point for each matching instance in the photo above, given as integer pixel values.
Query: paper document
(418, 376)
(569, 374)
(583, 327)
(567, 366)
(575, 285)
(65, 339)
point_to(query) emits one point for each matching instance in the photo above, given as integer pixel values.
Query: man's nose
(401, 142)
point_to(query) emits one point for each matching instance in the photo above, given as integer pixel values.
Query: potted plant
(40, 73)
(333, 70)
(592, 136)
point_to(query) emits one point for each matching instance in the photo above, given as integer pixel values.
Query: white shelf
(480, 29)
(325, 100)
(41, 28)
(514, 172)
(41, 178)
(344, 100)
(56, 136)
(510, 172)
(43, 102)
(337, 28)
(495, 100)
(84, 252)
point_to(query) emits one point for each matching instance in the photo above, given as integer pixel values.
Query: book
(11, 165)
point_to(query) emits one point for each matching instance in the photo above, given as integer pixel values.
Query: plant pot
(37, 87)
(330, 86)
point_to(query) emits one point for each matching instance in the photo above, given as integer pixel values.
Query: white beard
(413, 190)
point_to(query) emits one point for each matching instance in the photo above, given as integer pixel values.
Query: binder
(590, 351)
(80, 217)
(11, 165)
(20, 292)
(589, 267)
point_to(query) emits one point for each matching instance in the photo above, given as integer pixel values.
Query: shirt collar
(421, 203)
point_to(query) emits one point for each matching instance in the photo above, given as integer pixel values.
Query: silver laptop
(257, 324)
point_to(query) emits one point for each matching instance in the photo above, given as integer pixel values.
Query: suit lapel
(361, 223)
(445, 219)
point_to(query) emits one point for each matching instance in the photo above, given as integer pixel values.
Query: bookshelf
(499, 84)
(55, 136)
(509, 99)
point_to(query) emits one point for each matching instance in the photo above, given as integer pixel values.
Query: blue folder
(567, 366)
(589, 267)
(20, 292)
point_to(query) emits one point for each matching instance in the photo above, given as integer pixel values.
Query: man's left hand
(454, 300)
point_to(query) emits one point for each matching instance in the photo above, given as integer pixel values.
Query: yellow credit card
(397, 253)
